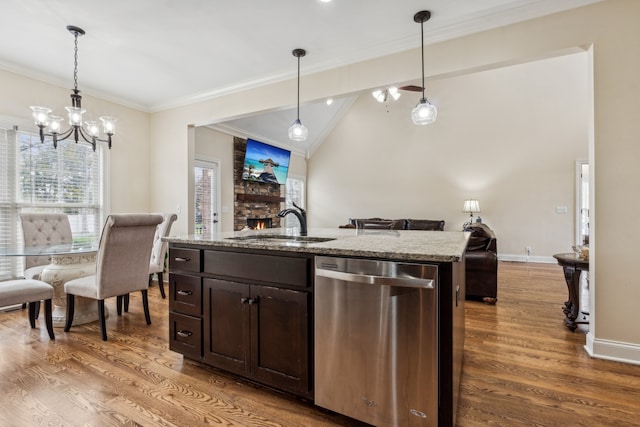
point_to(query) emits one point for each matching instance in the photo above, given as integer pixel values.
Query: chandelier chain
(75, 64)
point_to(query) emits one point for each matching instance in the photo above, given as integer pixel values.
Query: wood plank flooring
(521, 367)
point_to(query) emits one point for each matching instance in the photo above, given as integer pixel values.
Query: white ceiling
(157, 54)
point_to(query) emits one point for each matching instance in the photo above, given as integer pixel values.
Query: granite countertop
(405, 245)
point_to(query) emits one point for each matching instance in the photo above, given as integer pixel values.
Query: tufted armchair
(122, 266)
(160, 250)
(43, 229)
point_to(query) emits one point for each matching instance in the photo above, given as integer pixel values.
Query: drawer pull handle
(180, 259)
(185, 293)
(184, 333)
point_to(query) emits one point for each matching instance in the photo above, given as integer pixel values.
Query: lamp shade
(471, 205)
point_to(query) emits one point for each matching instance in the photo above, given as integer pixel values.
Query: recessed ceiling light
(325, 1)
(329, 100)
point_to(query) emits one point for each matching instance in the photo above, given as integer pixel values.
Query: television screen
(265, 163)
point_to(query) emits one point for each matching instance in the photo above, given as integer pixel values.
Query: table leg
(62, 269)
(571, 307)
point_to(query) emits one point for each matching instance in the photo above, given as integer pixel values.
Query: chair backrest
(122, 263)
(159, 249)
(44, 229)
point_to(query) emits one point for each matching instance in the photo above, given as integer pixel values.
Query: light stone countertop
(404, 245)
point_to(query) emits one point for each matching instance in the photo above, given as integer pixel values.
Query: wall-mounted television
(265, 163)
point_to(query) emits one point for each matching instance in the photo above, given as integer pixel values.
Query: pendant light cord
(298, 109)
(422, 44)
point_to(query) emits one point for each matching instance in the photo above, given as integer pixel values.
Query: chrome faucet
(300, 213)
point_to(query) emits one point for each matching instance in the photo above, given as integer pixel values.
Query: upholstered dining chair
(159, 250)
(40, 229)
(122, 265)
(30, 291)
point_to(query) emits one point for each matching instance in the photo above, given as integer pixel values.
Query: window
(294, 193)
(36, 177)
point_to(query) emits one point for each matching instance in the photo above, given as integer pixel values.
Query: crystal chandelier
(91, 130)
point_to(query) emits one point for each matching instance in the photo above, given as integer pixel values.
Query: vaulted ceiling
(157, 54)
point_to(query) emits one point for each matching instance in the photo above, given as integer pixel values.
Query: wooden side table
(572, 265)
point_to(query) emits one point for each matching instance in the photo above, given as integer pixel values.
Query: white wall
(508, 137)
(128, 187)
(608, 28)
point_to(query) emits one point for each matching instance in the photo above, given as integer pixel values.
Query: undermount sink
(279, 238)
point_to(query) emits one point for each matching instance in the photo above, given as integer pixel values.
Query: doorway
(206, 197)
(582, 202)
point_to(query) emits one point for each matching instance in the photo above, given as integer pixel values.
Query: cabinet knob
(244, 300)
(253, 301)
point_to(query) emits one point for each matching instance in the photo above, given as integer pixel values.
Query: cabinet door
(280, 344)
(226, 325)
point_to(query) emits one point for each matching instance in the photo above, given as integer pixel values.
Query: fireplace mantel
(259, 198)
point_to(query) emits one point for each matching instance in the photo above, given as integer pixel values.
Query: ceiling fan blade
(411, 88)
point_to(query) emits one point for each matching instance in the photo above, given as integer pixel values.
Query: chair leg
(126, 303)
(145, 305)
(32, 314)
(48, 318)
(71, 302)
(103, 323)
(119, 304)
(161, 285)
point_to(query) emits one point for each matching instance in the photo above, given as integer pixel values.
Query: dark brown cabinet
(246, 313)
(258, 331)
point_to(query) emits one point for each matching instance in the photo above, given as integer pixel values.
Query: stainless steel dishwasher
(376, 353)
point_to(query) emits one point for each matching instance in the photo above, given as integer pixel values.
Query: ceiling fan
(411, 88)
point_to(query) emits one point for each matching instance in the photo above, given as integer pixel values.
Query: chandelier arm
(91, 140)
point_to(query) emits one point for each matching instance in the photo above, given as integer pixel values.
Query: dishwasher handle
(370, 279)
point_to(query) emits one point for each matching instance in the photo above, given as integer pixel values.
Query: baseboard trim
(612, 350)
(524, 258)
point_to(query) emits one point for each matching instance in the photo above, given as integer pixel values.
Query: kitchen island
(244, 302)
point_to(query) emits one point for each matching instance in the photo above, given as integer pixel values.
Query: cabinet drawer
(185, 259)
(185, 294)
(280, 270)
(185, 335)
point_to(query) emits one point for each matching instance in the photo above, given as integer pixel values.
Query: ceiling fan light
(425, 113)
(378, 95)
(393, 91)
(298, 131)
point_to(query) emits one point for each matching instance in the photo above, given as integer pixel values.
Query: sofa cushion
(379, 224)
(425, 224)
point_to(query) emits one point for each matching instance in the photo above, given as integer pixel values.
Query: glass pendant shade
(298, 131)
(425, 113)
(108, 125)
(75, 115)
(92, 128)
(55, 124)
(41, 115)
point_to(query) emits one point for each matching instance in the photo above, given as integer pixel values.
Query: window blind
(38, 178)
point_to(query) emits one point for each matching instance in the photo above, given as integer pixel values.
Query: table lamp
(471, 206)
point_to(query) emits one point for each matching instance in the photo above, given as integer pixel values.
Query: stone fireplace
(253, 200)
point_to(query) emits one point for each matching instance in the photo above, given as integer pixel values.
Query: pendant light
(425, 113)
(297, 131)
(90, 132)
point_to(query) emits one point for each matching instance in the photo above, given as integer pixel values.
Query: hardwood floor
(521, 367)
